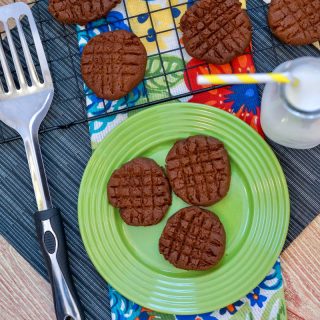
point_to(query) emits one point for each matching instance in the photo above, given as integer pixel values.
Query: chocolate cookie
(198, 170)
(295, 22)
(141, 191)
(113, 64)
(193, 239)
(80, 11)
(216, 31)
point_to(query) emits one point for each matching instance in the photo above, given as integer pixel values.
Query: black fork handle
(53, 245)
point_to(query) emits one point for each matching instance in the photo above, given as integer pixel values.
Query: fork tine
(15, 57)
(40, 51)
(6, 69)
(32, 70)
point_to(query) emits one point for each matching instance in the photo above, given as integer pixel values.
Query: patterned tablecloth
(166, 58)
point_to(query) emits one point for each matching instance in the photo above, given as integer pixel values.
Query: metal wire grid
(61, 46)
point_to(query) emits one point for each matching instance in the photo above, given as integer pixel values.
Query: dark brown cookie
(141, 191)
(295, 22)
(193, 239)
(216, 31)
(113, 64)
(198, 170)
(80, 11)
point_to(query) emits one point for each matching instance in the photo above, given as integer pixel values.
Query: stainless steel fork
(23, 108)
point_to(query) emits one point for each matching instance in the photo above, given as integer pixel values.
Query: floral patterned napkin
(156, 23)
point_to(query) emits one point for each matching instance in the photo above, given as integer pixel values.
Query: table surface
(20, 284)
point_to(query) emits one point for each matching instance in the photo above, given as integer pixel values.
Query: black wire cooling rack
(61, 46)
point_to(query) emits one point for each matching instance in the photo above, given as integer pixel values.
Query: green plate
(255, 213)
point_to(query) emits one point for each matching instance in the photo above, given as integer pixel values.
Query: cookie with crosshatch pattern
(193, 239)
(198, 170)
(295, 22)
(113, 63)
(80, 11)
(141, 191)
(216, 31)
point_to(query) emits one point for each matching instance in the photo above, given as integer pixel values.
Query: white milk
(304, 96)
(290, 115)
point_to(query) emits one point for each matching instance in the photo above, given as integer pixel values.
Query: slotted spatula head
(24, 101)
(23, 106)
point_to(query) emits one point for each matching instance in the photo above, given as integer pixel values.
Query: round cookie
(113, 64)
(193, 239)
(198, 170)
(80, 11)
(216, 31)
(141, 191)
(295, 22)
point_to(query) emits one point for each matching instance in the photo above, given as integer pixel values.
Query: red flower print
(243, 64)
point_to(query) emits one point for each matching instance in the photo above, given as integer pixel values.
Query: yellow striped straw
(239, 78)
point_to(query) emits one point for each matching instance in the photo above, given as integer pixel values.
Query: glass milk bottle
(290, 113)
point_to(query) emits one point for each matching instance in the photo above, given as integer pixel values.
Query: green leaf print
(244, 313)
(161, 316)
(154, 67)
(277, 298)
(282, 314)
(170, 64)
(157, 84)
